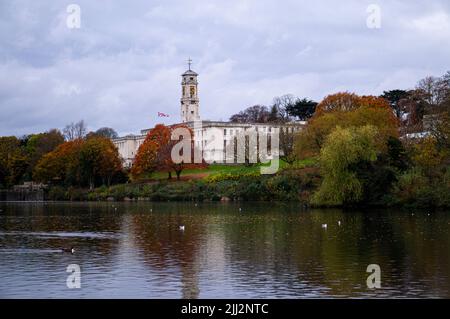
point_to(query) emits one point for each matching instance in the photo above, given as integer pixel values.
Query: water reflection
(259, 251)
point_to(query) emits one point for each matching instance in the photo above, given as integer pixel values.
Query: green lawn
(213, 169)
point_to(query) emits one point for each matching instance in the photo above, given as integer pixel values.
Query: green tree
(107, 132)
(395, 98)
(344, 148)
(302, 109)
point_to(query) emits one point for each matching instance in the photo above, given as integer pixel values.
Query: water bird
(240, 209)
(181, 227)
(70, 250)
(324, 226)
(339, 223)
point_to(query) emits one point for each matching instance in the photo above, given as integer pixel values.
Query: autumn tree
(155, 153)
(80, 162)
(60, 165)
(99, 161)
(37, 145)
(13, 161)
(189, 151)
(145, 161)
(356, 111)
(338, 102)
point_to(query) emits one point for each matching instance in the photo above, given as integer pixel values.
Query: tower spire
(189, 61)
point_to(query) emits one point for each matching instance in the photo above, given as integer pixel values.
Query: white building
(212, 137)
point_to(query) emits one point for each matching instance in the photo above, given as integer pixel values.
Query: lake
(226, 250)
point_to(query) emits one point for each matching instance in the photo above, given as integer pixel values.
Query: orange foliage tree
(80, 162)
(347, 110)
(155, 153)
(343, 101)
(59, 165)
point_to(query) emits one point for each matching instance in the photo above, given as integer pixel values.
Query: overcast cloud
(123, 65)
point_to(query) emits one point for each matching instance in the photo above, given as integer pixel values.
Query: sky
(123, 64)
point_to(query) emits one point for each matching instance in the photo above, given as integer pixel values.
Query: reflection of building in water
(213, 137)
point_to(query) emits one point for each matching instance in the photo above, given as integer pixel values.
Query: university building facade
(213, 138)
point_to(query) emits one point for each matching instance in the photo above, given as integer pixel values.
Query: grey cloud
(124, 64)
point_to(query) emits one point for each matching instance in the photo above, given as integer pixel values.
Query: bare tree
(253, 114)
(75, 131)
(282, 105)
(435, 89)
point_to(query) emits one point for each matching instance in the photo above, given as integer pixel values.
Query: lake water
(264, 250)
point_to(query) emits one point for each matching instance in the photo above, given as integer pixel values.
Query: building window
(192, 112)
(192, 78)
(192, 102)
(225, 131)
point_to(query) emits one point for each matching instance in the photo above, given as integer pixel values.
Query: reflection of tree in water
(164, 245)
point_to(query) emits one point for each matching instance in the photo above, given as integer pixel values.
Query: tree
(80, 162)
(155, 153)
(338, 102)
(61, 165)
(253, 114)
(38, 145)
(166, 161)
(107, 132)
(302, 109)
(282, 105)
(440, 129)
(75, 131)
(436, 90)
(343, 149)
(287, 144)
(365, 111)
(13, 161)
(395, 98)
(99, 161)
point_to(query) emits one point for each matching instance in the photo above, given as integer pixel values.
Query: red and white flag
(162, 114)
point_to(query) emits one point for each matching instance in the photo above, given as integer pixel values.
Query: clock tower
(189, 96)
